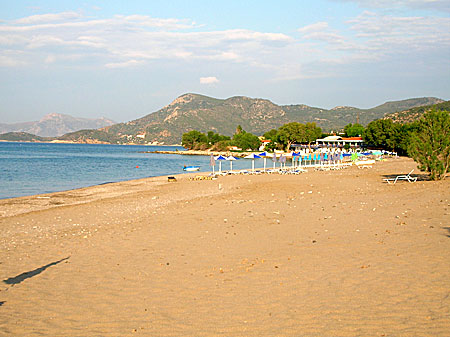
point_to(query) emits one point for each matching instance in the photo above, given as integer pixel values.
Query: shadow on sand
(21, 277)
(448, 230)
(1, 303)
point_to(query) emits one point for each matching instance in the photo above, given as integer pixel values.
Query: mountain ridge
(256, 115)
(55, 125)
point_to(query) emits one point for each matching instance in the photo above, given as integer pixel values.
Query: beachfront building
(338, 141)
(264, 142)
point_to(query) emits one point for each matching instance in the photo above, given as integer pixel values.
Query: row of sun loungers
(290, 170)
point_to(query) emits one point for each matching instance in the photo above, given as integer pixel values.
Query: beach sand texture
(336, 253)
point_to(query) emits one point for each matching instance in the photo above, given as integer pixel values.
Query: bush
(430, 144)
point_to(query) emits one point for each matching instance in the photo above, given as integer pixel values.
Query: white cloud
(209, 80)
(137, 38)
(50, 59)
(402, 34)
(43, 18)
(9, 61)
(313, 28)
(318, 50)
(438, 5)
(126, 64)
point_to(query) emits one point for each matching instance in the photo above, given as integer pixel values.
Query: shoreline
(81, 143)
(324, 253)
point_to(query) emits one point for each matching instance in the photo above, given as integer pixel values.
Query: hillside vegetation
(257, 116)
(197, 112)
(414, 114)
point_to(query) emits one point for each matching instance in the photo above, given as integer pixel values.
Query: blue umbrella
(220, 158)
(264, 154)
(294, 154)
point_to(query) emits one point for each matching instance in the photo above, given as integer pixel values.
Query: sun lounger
(406, 177)
(364, 163)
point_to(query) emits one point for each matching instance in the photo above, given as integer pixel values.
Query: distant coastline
(81, 143)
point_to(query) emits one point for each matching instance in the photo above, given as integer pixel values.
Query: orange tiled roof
(352, 138)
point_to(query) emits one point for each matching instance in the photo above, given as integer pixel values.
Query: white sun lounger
(406, 177)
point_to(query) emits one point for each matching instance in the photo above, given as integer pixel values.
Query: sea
(37, 168)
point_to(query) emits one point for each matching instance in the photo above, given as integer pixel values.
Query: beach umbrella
(294, 154)
(212, 162)
(377, 153)
(231, 159)
(264, 155)
(220, 159)
(274, 159)
(282, 160)
(252, 157)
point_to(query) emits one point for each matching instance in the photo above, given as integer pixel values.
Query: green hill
(22, 137)
(90, 137)
(414, 114)
(197, 112)
(202, 113)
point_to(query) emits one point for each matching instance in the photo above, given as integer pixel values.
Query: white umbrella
(220, 158)
(231, 159)
(252, 157)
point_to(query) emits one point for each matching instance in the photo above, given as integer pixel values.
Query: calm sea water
(35, 168)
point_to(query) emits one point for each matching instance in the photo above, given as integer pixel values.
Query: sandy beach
(335, 253)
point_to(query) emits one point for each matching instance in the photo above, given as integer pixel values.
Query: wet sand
(336, 253)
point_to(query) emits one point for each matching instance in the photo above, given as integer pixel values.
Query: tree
(221, 145)
(353, 130)
(272, 135)
(193, 138)
(382, 133)
(430, 144)
(214, 138)
(246, 140)
(291, 133)
(312, 132)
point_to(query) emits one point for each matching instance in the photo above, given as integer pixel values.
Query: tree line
(281, 138)
(427, 140)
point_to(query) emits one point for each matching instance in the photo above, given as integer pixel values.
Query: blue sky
(125, 59)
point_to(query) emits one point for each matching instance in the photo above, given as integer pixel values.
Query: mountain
(256, 115)
(414, 114)
(197, 112)
(54, 125)
(22, 137)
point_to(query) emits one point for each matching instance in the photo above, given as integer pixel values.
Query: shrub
(430, 144)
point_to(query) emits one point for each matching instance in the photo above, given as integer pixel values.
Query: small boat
(191, 168)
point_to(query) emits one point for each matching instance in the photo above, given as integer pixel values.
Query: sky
(125, 59)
